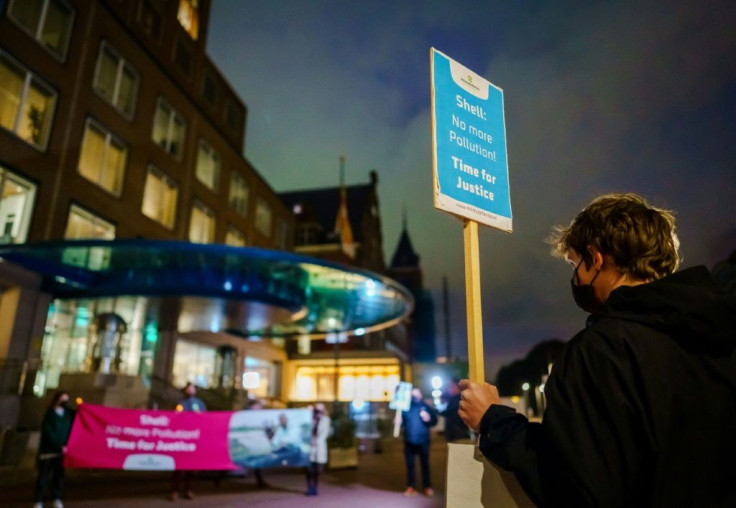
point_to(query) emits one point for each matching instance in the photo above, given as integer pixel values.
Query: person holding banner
(318, 449)
(190, 402)
(416, 422)
(641, 404)
(55, 430)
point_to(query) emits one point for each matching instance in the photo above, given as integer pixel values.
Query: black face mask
(584, 294)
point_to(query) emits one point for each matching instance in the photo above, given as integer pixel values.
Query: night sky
(599, 97)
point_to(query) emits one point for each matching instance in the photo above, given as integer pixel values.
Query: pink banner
(110, 438)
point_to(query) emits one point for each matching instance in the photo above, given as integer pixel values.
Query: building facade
(114, 124)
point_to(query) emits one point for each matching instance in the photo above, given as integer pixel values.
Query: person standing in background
(192, 403)
(417, 421)
(55, 430)
(318, 450)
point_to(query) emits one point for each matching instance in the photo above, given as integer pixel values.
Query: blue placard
(469, 145)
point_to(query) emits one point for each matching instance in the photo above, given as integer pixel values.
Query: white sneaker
(58, 503)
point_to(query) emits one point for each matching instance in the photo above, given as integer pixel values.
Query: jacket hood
(687, 305)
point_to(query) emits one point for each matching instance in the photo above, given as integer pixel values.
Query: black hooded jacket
(641, 405)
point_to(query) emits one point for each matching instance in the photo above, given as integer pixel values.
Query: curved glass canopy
(242, 290)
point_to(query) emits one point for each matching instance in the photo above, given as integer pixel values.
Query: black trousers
(411, 450)
(313, 472)
(55, 467)
(180, 476)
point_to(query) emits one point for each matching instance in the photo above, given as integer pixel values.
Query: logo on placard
(469, 82)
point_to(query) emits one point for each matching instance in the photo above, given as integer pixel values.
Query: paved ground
(378, 482)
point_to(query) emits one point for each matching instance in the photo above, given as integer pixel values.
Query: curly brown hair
(639, 238)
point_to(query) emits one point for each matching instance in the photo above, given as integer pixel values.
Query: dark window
(183, 58)
(209, 88)
(149, 19)
(233, 115)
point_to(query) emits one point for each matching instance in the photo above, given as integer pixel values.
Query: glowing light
(179, 408)
(436, 382)
(79, 401)
(358, 404)
(251, 380)
(541, 388)
(228, 285)
(436, 394)
(370, 287)
(525, 387)
(360, 331)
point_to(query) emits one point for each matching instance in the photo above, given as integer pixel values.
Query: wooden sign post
(476, 369)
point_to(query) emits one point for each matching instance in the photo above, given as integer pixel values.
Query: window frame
(173, 114)
(198, 204)
(122, 64)
(214, 157)
(246, 199)
(26, 212)
(109, 138)
(266, 206)
(165, 179)
(86, 213)
(29, 79)
(61, 57)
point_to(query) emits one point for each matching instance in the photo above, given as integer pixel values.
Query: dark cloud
(600, 97)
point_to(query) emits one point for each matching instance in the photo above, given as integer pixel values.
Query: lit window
(116, 80)
(239, 194)
(86, 225)
(48, 21)
(168, 129)
(26, 103)
(102, 158)
(16, 205)
(188, 17)
(202, 225)
(370, 383)
(159, 197)
(208, 165)
(264, 372)
(194, 363)
(234, 237)
(263, 217)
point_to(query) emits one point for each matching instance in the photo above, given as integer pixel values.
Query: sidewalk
(378, 482)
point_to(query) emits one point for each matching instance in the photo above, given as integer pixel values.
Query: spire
(404, 256)
(342, 222)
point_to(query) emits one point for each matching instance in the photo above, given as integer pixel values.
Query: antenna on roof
(342, 170)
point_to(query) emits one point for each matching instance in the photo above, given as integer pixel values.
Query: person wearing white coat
(318, 450)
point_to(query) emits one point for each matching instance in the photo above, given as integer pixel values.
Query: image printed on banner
(270, 438)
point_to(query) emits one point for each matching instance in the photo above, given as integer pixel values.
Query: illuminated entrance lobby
(157, 314)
